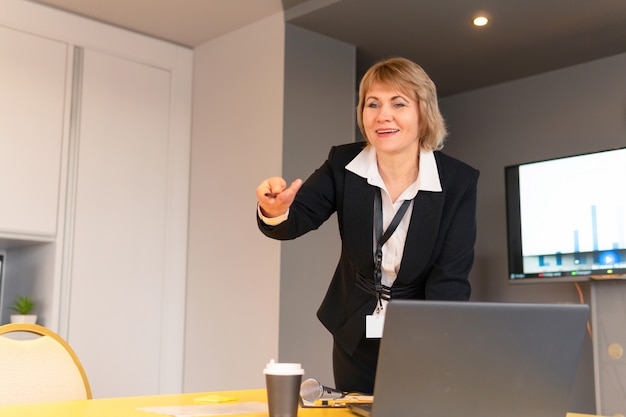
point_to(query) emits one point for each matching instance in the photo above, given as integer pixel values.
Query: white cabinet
(96, 166)
(32, 109)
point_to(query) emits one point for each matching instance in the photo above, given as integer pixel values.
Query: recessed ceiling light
(480, 21)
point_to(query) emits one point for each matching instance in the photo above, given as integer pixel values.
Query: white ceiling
(525, 37)
(185, 22)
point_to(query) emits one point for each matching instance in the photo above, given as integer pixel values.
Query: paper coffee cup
(282, 381)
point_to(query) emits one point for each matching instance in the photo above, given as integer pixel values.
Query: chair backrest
(43, 368)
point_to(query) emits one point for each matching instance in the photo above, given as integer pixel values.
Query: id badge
(374, 326)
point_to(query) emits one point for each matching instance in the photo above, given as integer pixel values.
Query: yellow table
(129, 406)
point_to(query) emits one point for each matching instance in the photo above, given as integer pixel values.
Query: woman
(428, 250)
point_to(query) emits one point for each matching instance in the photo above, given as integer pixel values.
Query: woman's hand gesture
(274, 197)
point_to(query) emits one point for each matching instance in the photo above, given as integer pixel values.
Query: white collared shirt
(365, 165)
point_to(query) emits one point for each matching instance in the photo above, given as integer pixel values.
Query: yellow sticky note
(214, 398)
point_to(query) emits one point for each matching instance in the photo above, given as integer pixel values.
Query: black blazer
(439, 248)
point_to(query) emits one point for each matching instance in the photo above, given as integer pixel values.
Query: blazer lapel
(422, 233)
(358, 219)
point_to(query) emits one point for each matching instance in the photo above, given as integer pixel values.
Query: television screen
(566, 218)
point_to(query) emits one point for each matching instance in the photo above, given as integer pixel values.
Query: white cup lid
(277, 368)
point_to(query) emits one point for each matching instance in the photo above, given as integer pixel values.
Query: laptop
(448, 358)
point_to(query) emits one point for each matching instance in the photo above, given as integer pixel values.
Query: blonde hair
(408, 77)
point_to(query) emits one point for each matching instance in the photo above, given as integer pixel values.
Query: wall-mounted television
(566, 218)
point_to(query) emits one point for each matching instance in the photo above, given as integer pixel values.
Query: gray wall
(319, 113)
(574, 110)
(570, 111)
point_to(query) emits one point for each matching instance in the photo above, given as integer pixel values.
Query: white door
(119, 242)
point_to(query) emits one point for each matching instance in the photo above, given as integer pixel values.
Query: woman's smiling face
(391, 119)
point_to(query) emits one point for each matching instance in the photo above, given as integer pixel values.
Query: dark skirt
(356, 373)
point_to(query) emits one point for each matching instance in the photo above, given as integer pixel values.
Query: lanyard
(381, 238)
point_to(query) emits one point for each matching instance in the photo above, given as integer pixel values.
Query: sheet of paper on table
(209, 409)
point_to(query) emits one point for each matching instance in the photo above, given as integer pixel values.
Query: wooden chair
(41, 368)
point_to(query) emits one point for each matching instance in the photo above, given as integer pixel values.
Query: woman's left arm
(448, 279)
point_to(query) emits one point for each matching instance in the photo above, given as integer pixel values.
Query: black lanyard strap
(381, 239)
